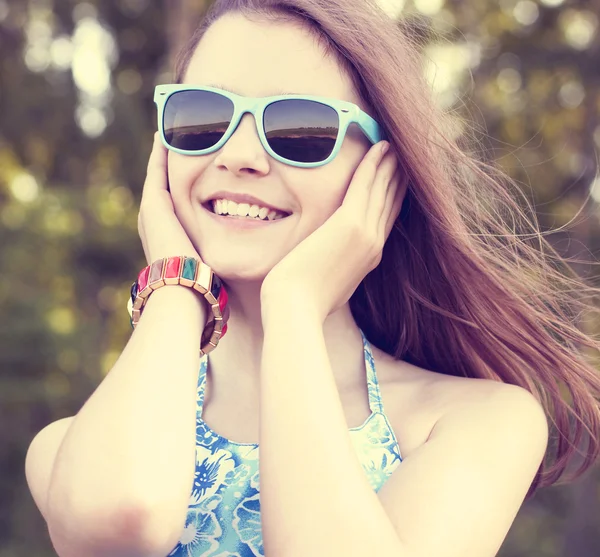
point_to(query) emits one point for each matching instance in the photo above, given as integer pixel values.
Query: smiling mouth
(272, 215)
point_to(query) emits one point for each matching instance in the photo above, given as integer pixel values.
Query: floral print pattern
(223, 518)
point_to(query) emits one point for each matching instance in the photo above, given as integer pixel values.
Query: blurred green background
(76, 126)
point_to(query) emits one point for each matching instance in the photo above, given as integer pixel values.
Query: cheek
(184, 175)
(332, 183)
(323, 193)
(183, 171)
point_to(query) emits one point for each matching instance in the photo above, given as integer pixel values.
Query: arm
(40, 458)
(121, 479)
(455, 496)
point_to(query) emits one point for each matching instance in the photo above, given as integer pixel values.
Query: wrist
(179, 297)
(276, 310)
(205, 295)
(177, 291)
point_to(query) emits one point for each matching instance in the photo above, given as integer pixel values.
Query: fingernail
(385, 148)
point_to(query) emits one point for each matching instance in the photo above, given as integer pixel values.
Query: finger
(156, 176)
(380, 211)
(381, 196)
(359, 190)
(142, 232)
(396, 200)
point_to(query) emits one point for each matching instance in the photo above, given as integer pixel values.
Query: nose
(243, 151)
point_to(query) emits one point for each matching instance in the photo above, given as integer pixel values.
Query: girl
(381, 353)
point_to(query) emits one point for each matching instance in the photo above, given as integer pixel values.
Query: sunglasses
(299, 130)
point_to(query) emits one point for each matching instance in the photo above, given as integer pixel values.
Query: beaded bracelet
(185, 271)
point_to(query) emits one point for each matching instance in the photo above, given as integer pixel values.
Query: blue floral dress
(223, 518)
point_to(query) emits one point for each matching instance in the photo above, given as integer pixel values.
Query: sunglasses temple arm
(369, 127)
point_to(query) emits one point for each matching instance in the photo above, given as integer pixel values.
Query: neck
(239, 352)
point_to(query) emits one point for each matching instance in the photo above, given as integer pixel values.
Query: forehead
(262, 58)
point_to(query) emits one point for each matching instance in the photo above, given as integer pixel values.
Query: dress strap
(201, 386)
(375, 402)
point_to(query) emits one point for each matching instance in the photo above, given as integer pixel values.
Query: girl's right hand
(159, 228)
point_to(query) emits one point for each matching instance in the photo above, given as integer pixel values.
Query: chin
(231, 270)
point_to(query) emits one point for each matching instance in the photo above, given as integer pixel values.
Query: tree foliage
(76, 126)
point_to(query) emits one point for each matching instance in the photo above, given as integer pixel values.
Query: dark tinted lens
(301, 130)
(196, 120)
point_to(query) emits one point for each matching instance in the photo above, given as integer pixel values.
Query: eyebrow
(274, 93)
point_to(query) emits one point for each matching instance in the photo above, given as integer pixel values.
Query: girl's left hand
(322, 272)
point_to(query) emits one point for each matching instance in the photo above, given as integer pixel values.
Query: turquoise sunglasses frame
(348, 113)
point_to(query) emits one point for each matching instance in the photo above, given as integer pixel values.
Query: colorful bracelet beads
(190, 272)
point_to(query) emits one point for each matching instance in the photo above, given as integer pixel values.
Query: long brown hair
(467, 285)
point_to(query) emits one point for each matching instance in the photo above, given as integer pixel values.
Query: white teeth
(243, 209)
(232, 207)
(225, 206)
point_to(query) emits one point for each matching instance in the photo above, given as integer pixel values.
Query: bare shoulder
(416, 399)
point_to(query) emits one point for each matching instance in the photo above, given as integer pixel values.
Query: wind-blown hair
(468, 285)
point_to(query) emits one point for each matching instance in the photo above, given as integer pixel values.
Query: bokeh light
(3, 10)
(553, 3)
(526, 12)
(446, 66)
(579, 27)
(24, 187)
(392, 7)
(61, 52)
(571, 94)
(429, 7)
